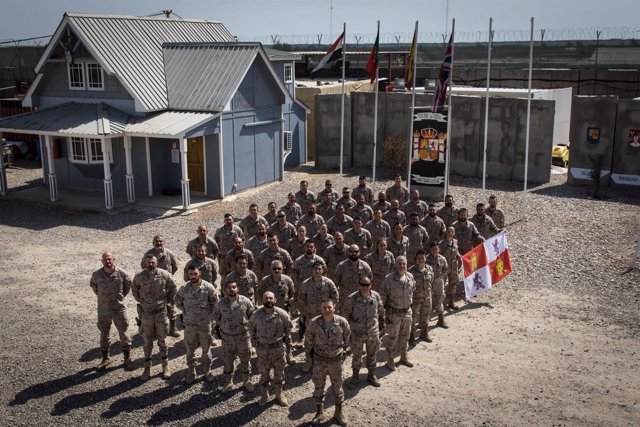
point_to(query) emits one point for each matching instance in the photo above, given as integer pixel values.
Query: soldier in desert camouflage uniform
(448, 213)
(449, 250)
(349, 272)
(466, 233)
(421, 307)
(434, 225)
(381, 262)
(440, 270)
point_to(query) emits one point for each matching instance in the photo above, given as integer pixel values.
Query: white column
(108, 183)
(131, 191)
(3, 172)
(42, 148)
(53, 180)
(149, 177)
(186, 197)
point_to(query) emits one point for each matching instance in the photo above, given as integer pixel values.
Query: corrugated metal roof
(204, 77)
(281, 55)
(69, 119)
(131, 48)
(170, 123)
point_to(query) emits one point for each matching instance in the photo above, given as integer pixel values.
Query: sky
(256, 19)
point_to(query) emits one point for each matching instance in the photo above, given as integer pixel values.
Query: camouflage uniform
(467, 235)
(334, 256)
(197, 304)
(418, 207)
(292, 211)
(111, 290)
(233, 318)
(208, 270)
(284, 232)
(322, 244)
(225, 239)
(440, 268)
(166, 260)
(269, 334)
(311, 223)
(362, 239)
(326, 211)
(449, 214)
(400, 194)
(312, 293)
(418, 240)
(435, 229)
(304, 200)
(296, 247)
(364, 212)
(485, 225)
(336, 224)
(421, 306)
(393, 217)
(154, 291)
(397, 295)
(266, 257)
(497, 215)
(213, 251)
(247, 284)
(365, 317)
(398, 247)
(283, 289)
(449, 250)
(334, 195)
(347, 203)
(328, 343)
(365, 191)
(382, 206)
(271, 218)
(256, 246)
(380, 267)
(230, 261)
(348, 276)
(378, 230)
(303, 268)
(249, 225)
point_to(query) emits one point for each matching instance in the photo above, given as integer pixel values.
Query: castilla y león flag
(485, 265)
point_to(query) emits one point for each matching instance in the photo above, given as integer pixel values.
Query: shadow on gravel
(52, 387)
(239, 417)
(96, 354)
(468, 306)
(133, 403)
(83, 400)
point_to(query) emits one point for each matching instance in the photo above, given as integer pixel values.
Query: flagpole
(375, 122)
(447, 164)
(413, 107)
(526, 152)
(344, 54)
(486, 109)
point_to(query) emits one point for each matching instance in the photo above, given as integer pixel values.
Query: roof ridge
(143, 18)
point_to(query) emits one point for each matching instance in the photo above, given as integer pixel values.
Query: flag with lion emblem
(485, 265)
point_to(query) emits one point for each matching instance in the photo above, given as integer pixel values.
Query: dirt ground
(554, 344)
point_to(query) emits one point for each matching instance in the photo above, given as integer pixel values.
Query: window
(288, 140)
(85, 75)
(86, 150)
(288, 73)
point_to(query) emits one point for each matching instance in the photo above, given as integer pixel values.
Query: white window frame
(288, 70)
(86, 80)
(91, 150)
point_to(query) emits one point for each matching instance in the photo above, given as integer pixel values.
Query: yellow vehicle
(560, 155)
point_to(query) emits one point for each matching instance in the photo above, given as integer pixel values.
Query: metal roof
(281, 55)
(131, 48)
(169, 123)
(69, 119)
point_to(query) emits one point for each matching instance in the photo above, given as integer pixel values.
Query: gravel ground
(555, 343)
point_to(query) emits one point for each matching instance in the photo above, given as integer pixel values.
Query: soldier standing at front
(365, 313)
(449, 250)
(327, 338)
(397, 294)
(270, 330)
(421, 307)
(440, 267)
(112, 284)
(197, 299)
(232, 314)
(154, 288)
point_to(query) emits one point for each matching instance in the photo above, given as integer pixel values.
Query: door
(195, 163)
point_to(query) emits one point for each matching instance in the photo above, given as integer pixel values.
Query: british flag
(440, 94)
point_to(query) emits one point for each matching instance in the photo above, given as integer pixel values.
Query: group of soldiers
(350, 270)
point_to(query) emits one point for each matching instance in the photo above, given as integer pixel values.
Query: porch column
(149, 176)
(42, 148)
(108, 183)
(3, 172)
(131, 191)
(53, 181)
(186, 197)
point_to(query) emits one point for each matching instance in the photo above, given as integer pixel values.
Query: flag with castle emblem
(485, 265)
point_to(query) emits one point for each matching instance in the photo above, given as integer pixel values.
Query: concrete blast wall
(625, 170)
(328, 109)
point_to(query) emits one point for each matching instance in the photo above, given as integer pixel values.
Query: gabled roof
(131, 48)
(205, 76)
(281, 55)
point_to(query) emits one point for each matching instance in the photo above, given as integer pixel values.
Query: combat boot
(319, 417)
(209, 377)
(404, 359)
(105, 361)
(147, 370)
(425, 335)
(412, 336)
(226, 383)
(246, 383)
(191, 375)
(290, 359)
(282, 400)
(173, 332)
(264, 395)
(452, 305)
(441, 322)
(166, 371)
(373, 380)
(127, 359)
(353, 382)
(339, 416)
(390, 363)
(308, 363)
